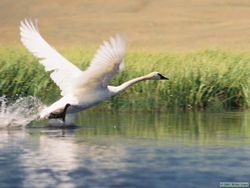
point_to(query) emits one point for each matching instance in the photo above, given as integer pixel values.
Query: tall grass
(209, 79)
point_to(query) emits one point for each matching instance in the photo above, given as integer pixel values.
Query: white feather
(108, 61)
(63, 72)
(79, 88)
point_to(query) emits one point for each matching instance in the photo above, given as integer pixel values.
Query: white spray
(20, 112)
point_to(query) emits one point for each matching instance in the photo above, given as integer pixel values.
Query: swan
(80, 89)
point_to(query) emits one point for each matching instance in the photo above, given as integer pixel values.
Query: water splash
(20, 112)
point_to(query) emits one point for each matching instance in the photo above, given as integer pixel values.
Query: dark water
(130, 150)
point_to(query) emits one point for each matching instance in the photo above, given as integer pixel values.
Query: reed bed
(209, 79)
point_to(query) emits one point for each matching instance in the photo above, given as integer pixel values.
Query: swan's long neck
(118, 89)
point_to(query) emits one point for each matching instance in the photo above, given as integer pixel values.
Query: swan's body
(80, 89)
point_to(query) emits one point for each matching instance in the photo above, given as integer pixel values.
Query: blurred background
(159, 24)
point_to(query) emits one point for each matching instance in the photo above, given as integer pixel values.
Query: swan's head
(157, 76)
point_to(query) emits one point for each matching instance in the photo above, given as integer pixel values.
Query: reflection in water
(130, 150)
(56, 159)
(202, 128)
(49, 160)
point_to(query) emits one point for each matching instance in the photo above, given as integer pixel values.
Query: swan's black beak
(163, 77)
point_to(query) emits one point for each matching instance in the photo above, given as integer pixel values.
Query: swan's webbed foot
(60, 114)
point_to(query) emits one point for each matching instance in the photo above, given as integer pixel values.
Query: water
(19, 112)
(130, 150)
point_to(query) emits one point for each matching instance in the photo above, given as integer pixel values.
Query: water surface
(130, 150)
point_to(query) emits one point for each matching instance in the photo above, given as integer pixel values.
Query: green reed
(209, 79)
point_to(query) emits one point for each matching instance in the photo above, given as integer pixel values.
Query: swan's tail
(47, 111)
(44, 114)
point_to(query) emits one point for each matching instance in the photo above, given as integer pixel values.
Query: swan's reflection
(49, 160)
(12, 137)
(52, 160)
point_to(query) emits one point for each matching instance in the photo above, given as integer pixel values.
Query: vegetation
(210, 79)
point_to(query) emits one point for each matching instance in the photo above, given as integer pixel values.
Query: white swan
(80, 89)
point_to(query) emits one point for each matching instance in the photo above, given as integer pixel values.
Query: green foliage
(210, 79)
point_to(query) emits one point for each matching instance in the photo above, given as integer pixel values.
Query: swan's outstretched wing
(62, 71)
(107, 62)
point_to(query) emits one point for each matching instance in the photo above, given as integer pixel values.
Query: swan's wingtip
(28, 23)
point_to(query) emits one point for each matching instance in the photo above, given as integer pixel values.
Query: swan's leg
(60, 114)
(63, 118)
(64, 112)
